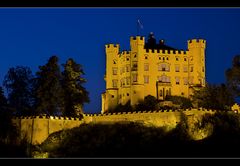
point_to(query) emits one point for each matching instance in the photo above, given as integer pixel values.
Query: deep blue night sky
(29, 36)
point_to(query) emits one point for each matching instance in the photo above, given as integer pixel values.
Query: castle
(152, 68)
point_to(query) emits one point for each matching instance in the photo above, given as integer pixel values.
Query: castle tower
(137, 67)
(196, 49)
(110, 97)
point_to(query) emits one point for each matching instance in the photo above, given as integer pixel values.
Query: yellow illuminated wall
(132, 75)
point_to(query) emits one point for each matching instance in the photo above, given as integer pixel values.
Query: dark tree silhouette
(7, 130)
(19, 84)
(75, 95)
(214, 97)
(49, 92)
(233, 76)
(149, 103)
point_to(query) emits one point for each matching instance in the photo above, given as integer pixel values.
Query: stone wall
(37, 129)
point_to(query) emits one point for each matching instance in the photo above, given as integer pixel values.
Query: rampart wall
(36, 129)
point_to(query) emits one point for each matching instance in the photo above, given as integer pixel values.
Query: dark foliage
(214, 97)
(19, 84)
(183, 102)
(49, 92)
(75, 95)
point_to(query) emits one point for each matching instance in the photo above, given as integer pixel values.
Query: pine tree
(19, 84)
(75, 94)
(49, 92)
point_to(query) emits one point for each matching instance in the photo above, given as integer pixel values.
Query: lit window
(177, 80)
(114, 71)
(134, 77)
(146, 67)
(185, 81)
(163, 67)
(146, 79)
(177, 68)
(185, 69)
(114, 82)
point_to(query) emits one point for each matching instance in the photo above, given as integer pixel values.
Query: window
(128, 80)
(146, 79)
(191, 69)
(177, 68)
(163, 58)
(177, 80)
(190, 80)
(185, 59)
(185, 69)
(146, 67)
(163, 67)
(164, 78)
(161, 93)
(114, 83)
(127, 68)
(123, 81)
(114, 62)
(167, 93)
(185, 81)
(127, 58)
(167, 58)
(159, 58)
(112, 96)
(114, 71)
(134, 77)
(177, 58)
(134, 66)
(202, 69)
(146, 57)
(127, 94)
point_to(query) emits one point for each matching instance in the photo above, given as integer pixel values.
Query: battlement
(196, 41)
(137, 38)
(181, 52)
(112, 46)
(48, 117)
(153, 112)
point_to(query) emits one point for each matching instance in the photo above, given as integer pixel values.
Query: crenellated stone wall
(36, 129)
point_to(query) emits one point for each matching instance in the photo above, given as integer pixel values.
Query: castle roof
(151, 44)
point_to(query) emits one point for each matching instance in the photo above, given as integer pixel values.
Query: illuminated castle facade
(152, 68)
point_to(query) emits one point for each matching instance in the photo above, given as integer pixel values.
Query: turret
(196, 49)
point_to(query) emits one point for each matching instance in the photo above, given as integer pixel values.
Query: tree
(214, 97)
(49, 92)
(75, 95)
(7, 130)
(149, 103)
(233, 76)
(19, 84)
(183, 102)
